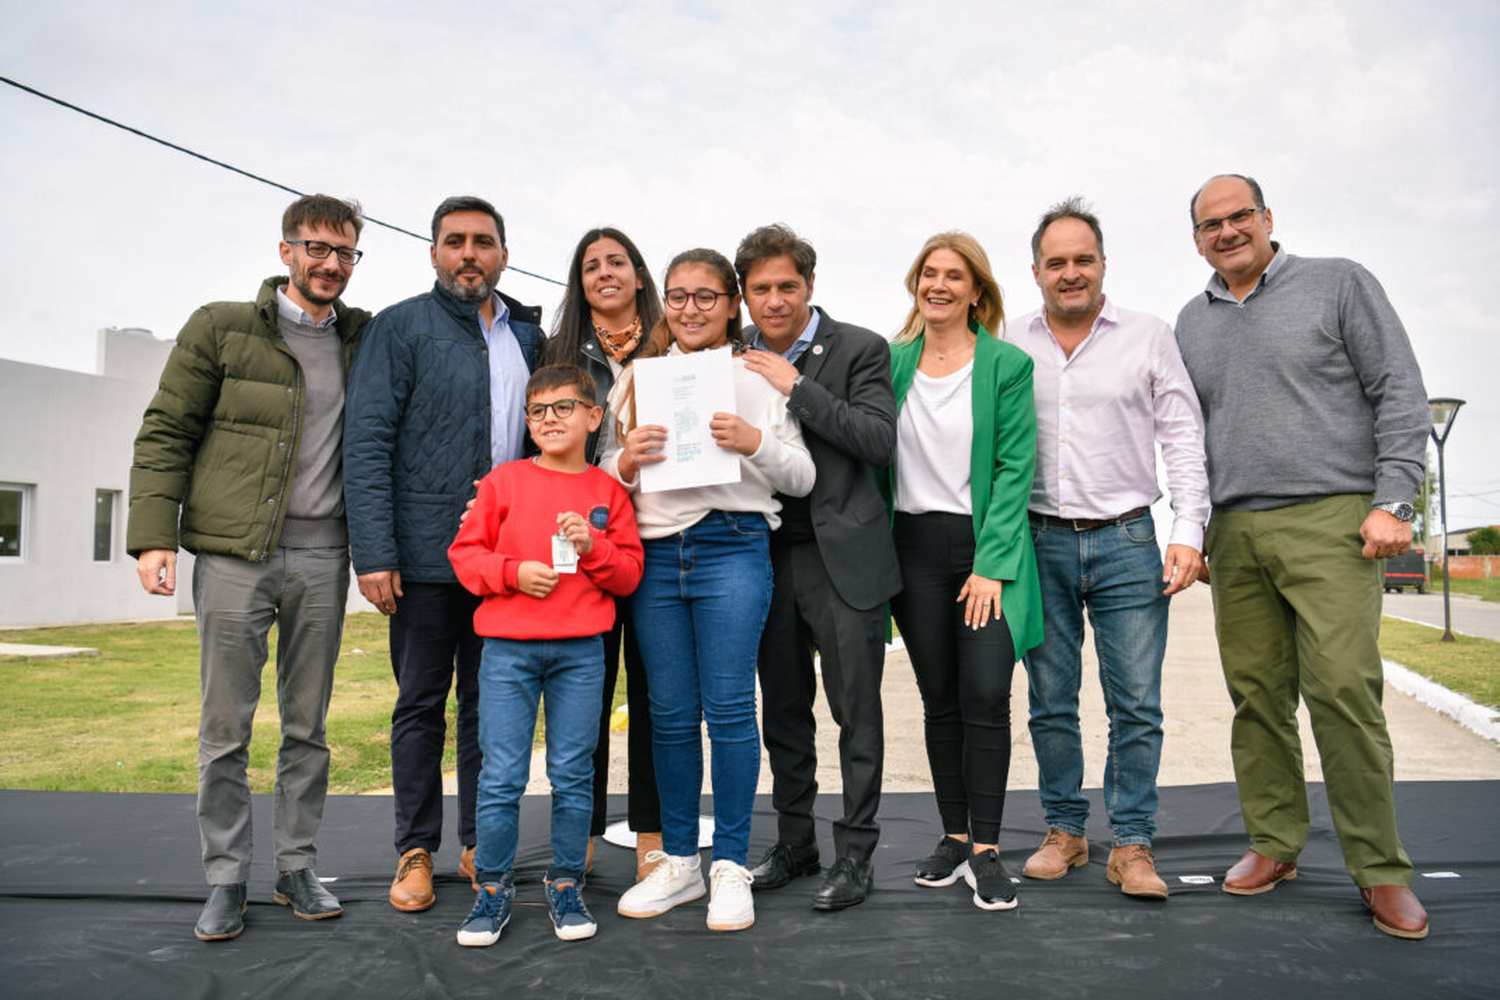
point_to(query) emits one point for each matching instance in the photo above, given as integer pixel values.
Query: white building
(64, 489)
(64, 481)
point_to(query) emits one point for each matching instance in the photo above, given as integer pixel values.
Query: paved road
(1471, 616)
(1428, 746)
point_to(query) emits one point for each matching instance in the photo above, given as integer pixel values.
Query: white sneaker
(674, 880)
(731, 907)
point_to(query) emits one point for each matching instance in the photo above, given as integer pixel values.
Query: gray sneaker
(571, 920)
(490, 914)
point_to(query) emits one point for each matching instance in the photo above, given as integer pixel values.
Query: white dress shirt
(1100, 415)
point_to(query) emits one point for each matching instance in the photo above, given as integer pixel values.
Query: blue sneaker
(571, 920)
(490, 914)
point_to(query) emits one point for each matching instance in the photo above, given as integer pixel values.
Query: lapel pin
(817, 348)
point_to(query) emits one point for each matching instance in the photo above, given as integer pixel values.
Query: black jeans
(963, 674)
(643, 805)
(432, 639)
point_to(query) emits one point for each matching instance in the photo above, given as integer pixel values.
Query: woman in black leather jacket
(609, 308)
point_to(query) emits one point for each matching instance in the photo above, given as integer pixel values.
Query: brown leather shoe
(412, 888)
(645, 843)
(1397, 911)
(1255, 873)
(1133, 869)
(1058, 853)
(466, 867)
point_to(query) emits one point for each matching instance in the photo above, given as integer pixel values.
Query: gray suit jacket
(847, 410)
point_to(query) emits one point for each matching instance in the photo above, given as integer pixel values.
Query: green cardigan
(1001, 464)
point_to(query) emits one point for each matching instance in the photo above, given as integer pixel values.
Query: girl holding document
(706, 587)
(609, 307)
(960, 481)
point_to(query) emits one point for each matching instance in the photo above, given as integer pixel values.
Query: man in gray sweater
(239, 461)
(1316, 430)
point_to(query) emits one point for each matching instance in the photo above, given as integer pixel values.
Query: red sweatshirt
(513, 521)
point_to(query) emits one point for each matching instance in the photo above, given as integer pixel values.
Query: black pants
(643, 806)
(964, 674)
(432, 638)
(807, 613)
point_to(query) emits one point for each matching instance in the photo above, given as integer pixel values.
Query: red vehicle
(1406, 570)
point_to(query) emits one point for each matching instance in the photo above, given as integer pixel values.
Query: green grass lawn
(1470, 666)
(1488, 590)
(127, 719)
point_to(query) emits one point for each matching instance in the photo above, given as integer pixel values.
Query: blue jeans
(1115, 571)
(698, 615)
(567, 674)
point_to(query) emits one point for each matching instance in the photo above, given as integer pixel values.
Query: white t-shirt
(934, 438)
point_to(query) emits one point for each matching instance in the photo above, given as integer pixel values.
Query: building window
(105, 502)
(13, 497)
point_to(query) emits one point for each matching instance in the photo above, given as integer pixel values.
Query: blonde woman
(959, 484)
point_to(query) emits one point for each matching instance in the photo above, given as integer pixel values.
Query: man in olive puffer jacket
(239, 460)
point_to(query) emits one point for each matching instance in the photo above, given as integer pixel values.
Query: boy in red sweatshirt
(548, 544)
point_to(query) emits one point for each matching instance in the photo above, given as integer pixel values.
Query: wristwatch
(1399, 510)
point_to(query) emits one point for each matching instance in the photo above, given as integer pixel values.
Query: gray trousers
(302, 591)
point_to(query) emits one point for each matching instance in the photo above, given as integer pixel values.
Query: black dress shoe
(847, 884)
(223, 916)
(302, 891)
(782, 863)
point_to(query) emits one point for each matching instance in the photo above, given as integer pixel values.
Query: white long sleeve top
(780, 465)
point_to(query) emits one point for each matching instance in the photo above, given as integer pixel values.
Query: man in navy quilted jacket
(436, 399)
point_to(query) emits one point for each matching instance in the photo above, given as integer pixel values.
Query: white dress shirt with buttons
(1100, 415)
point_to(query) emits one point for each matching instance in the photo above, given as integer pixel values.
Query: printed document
(682, 392)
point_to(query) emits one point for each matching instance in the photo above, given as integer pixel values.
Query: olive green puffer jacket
(219, 440)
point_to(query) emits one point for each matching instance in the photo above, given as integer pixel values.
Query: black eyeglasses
(1239, 220)
(537, 412)
(318, 250)
(703, 298)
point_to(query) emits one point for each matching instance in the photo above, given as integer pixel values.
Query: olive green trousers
(1297, 611)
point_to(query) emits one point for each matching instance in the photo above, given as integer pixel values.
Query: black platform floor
(98, 894)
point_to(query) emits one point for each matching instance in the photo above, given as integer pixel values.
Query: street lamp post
(1443, 412)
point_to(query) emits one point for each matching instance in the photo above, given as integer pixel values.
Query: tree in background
(1484, 542)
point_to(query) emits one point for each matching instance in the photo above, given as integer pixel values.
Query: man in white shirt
(1110, 387)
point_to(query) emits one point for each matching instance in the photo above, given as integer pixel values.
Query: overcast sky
(867, 126)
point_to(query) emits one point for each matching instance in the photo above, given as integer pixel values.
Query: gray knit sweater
(315, 508)
(1309, 387)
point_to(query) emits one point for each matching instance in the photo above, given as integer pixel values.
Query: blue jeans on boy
(1114, 570)
(567, 674)
(699, 612)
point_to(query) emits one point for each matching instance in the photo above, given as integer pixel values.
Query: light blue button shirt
(293, 313)
(799, 346)
(508, 375)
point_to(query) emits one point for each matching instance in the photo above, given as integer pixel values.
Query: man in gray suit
(834, 564)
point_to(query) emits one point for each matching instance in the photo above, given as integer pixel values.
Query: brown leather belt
(1083, 523)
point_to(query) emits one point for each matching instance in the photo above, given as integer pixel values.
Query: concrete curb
(1472, 716)
(29, 651)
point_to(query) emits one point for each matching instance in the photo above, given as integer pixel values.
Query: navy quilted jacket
(417, 430)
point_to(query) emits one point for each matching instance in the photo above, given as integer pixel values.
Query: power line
(220, 163)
